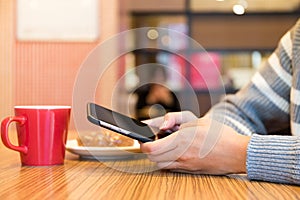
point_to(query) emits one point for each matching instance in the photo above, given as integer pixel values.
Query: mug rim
(41, 107)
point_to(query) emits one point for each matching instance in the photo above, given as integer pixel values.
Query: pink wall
(44, 72)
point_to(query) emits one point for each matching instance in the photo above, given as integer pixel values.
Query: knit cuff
(274, 159)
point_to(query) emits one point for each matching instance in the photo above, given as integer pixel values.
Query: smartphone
(119, 123)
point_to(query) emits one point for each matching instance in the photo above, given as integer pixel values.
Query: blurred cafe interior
(44, 43)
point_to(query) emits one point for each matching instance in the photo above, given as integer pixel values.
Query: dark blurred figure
(155, 99)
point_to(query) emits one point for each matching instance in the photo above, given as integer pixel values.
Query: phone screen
(119, 123)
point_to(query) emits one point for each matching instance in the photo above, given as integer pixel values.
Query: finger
(171, 120)
(178, 168)
(168, 165)
(169, 156)
(166, 149)
(160, 146)
(155, 122)
(204, 121)
(177, 118)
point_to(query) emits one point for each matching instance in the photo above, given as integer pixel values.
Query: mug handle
(4, 133)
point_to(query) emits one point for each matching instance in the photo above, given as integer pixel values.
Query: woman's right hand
(171, 121)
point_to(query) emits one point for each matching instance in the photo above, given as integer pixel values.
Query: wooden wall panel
(155, 5)
(240, 32)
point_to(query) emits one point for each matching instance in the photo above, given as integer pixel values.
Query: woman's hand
(171, 121)
(201, 146)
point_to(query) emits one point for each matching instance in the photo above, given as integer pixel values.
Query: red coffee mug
(42, 134)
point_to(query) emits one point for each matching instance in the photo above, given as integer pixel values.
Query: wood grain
(131, 179)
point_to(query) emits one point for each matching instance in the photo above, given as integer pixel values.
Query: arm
(263, 107)
(212, 145)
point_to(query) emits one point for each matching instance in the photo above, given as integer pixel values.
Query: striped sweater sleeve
(262, 106)
(262, 109)
(274, 158)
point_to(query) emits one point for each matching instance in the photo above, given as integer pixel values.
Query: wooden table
(129, 179)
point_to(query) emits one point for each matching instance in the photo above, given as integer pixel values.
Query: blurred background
(44, 42)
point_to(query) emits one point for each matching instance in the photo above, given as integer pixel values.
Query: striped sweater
(268, 109)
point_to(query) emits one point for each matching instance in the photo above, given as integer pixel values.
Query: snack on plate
(104, 138)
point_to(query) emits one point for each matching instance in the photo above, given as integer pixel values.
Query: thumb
(175, 119)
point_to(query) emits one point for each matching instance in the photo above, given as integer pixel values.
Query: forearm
(242, 120)
(262, 106)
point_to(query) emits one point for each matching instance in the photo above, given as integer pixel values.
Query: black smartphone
(119, 123)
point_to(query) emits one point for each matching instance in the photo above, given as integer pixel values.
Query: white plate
(104, 153)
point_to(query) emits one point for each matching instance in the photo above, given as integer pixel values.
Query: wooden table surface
(124, 179)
